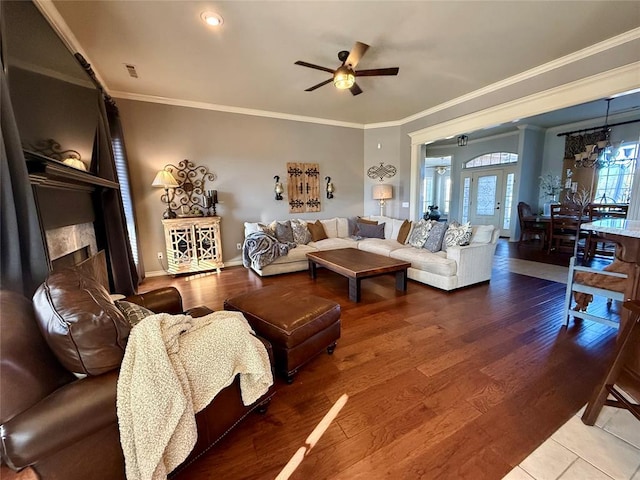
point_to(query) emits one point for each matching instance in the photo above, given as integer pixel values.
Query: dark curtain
(120, 157)
(113, 224)
(23, 261)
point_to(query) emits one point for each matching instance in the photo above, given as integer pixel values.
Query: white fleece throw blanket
(173, 366)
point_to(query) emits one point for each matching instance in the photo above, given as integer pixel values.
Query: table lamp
(382, 192)
(165, 180)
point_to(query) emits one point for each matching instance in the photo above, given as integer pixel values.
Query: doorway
(487, 197)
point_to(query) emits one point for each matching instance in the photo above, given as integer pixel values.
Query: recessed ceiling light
(212, 19)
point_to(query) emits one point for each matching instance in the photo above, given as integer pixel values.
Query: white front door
(483, 196)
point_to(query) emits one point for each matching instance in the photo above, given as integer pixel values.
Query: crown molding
(230, 109)
(601, 85)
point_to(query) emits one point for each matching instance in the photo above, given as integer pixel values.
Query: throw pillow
(458, 235)
(367, 230)
(420, 233)
(366, 220)
(268, 229)
(133, 312)
(403, 233)
(317, 231)
(353, 225)
(301, 234)
(482, 233)
(284, 233)
(436, 236)
(80, 323)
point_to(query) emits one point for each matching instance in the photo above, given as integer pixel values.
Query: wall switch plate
(160, 255)
(239, 246)
(405, 204)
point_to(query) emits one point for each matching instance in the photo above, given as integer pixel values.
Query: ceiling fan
(344, 77)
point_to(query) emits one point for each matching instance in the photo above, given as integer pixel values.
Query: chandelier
(602, 153)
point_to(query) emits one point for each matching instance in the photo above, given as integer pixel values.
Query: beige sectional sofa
(456, 267)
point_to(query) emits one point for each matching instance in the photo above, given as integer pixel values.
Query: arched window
(495, 158)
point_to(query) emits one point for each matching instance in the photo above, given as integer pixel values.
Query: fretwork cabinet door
(193, 244)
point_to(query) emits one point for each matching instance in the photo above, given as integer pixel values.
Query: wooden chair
(597, 211)
(564, 231)
(529, 227)
(620, 374)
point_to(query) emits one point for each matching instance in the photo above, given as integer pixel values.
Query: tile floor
(608, 450)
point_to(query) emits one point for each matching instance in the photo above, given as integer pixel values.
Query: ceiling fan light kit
(344, 77)
(212, 19)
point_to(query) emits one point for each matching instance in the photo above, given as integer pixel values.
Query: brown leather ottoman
(298, 326)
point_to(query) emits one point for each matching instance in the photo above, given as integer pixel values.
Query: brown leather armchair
(66, 427)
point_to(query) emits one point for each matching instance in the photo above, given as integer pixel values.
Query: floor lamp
(382, 192)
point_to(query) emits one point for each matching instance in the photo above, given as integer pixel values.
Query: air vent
(132, 70)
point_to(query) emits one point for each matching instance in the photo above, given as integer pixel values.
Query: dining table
(545, 220)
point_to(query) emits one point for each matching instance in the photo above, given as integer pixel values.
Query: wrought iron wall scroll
(303, 187)
(191, 192)
(382, 171)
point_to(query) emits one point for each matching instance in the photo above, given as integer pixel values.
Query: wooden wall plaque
(303, 187)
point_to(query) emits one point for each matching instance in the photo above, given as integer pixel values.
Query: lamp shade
(382, 192)
(164, 179)
(75, 163)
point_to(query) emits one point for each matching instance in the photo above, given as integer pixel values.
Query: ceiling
(444, 49)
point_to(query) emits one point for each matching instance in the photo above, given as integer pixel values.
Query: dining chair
(529, 227)
(598, 211)
(564, 232)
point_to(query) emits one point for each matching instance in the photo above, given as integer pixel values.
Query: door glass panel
(508, 201)
(466, 195)
(486, 199)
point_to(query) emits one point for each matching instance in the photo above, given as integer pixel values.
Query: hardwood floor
(441, 385)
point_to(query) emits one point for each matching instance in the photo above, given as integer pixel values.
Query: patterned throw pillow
(268, 229)
(366, 230)
(132, 311)
(420, 233)
(301, 234)
(317, 231)
(436, 236)
(458, 235)
(284, 233)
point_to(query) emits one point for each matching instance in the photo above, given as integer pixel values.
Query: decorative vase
(434, 213)
(546, 208)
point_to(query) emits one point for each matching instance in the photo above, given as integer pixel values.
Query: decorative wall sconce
(167, 181)
(330, 188)
(278, 188)
(463, 140)
(382, 192)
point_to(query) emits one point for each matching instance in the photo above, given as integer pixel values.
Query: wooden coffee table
(356, 264)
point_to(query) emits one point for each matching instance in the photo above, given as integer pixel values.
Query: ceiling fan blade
(311, 65)
(356, 54)
(355, 90)
(377, 71)
(311, 89)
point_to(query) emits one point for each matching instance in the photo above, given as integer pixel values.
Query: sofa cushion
(420, 233)
(295, 255)
(423, 259)
(284, 232)
(333, 243)
(370, 231)
(317, 231)
(133, 312)
(403, 232)
(436, 236)
(330, 227)
(457, 235)
(380, 246)
(482, 233)
(80, 323)
(301, 234)
(342, 224)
